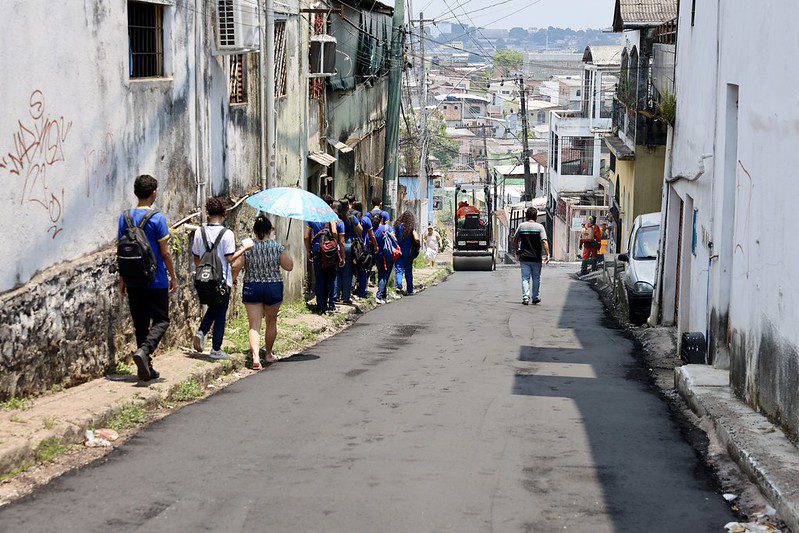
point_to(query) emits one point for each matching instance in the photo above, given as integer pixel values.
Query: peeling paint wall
(75, 131)
(743, 199)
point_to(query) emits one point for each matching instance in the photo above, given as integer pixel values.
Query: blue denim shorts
(266, 293)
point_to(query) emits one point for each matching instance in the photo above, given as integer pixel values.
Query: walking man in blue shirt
(149, 303)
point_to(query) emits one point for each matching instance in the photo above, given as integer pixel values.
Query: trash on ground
(92, 441)
(107, 434)
(730, 497)
(750, 527)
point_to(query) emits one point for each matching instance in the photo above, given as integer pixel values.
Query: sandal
(257, 366)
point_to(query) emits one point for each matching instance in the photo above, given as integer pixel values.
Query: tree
(508, 60)
(441, 146)
(519, 34)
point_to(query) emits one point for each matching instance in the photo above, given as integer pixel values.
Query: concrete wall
(743, 200)
(75, 131)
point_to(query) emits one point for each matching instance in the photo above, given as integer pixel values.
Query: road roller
(473, 246)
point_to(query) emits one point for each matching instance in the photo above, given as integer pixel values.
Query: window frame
(159, 42)
(239, 63)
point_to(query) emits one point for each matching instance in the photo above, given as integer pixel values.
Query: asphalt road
(455, 409)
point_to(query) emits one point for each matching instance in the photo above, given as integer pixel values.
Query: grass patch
(13, 473)
(294, 309)
(23, 404)
(122, 369)
(187, 390)
(130, 416)
(49, 449)
(16, 419)
(49, 422)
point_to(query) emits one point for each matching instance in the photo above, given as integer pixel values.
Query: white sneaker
(198, 342)
(380, 301)
(218, 354)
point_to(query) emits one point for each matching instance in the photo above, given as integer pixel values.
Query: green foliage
(420, 261)
(122, 369)
(49, 449)
(23, 404)
(667, 110)
(187, 390)
(49, 422)
(13, 473)
(131, 415)
(508, 60)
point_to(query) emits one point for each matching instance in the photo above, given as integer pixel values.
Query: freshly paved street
(456, 409)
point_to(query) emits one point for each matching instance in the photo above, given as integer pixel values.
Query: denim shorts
(266, 293)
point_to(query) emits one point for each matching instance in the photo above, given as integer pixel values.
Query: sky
(575, 14)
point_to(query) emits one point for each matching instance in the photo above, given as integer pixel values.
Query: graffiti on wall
(37, 149)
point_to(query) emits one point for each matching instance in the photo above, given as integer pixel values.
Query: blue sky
(575, 14)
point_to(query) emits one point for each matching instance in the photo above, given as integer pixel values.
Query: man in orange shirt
(465, 209)
(590, 242)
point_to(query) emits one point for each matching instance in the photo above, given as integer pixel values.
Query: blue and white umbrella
(291, 202)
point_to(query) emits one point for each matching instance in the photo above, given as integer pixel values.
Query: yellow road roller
(473, 246)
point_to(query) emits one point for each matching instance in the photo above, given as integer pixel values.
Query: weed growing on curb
(13, 473)
(131, 415)
(187, 390)
(49, 449)
(23, 404)
(122, 369)
(49, 422)
(16, 419)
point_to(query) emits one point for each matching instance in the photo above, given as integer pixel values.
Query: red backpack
(328, 248)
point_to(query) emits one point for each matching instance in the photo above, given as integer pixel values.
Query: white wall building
(729, 266)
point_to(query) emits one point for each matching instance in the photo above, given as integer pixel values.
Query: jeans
(530, 270)
(325, 281)
(216, 315)
(404, 268)
(149, 309)
(383, 274)
(344, 276)
(362, 290)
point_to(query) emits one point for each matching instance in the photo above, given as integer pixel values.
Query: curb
(20, 453)
(760, 449)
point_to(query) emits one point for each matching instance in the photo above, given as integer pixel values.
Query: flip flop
(257, 366)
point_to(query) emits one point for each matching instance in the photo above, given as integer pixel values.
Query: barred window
(280, 58)
(146, 39)
(238, 79)
(577, 156)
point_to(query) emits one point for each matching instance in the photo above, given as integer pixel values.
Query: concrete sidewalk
(759, 447)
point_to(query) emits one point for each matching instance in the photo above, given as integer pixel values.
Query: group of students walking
(147, 276)
(343, 254)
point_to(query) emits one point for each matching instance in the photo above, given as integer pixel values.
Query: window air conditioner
(237, 26)
(322, 56)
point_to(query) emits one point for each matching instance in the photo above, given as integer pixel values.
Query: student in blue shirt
(350, 230)
(325, 277)
(405, 227)
(337, 279)
(370, 243)
(149, 305)
(384, 263)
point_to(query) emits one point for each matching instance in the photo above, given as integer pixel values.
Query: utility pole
(528, 181)
(393, 110)
(269, 75)
(424, 141)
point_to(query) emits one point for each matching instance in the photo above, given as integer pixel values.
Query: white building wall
(755, 304)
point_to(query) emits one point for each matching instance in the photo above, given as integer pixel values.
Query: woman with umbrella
(263, 286)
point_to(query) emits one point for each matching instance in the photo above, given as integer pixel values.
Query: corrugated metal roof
(603, 56)
(643, 13)
(322, 158)
(340, 146)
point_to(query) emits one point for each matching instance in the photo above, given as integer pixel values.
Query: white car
(641, 259)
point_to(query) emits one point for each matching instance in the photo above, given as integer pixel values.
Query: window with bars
(238, 79)
(280, 58)
(146, 39)
(577, 156)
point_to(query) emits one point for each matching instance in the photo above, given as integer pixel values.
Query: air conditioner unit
(237, 26)
(322, 60)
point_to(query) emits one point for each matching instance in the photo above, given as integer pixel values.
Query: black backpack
(209, 277)
(415, 248)
(328, 248)
(135, 256)
(361, 257)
